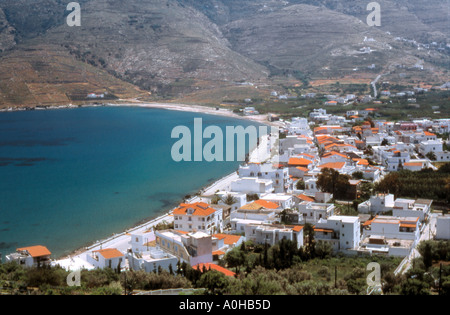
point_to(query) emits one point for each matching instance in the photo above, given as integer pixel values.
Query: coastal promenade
(121, 241)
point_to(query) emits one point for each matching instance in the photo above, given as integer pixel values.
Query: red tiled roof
(209, 266)
(199, 209)
(305, 198)
(35, 251)
(229, 239)
(109, 253)
(267, 204)
(299, 161)
(334, 165)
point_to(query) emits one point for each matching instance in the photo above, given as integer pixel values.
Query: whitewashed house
(312, 212)
(31, 256)
(393, 236)
(278, 176)
(151, 260)
(272, 234)
(419, 208)
(285, 201)
(106, 258)
(443, 228)
(343, 233)
(252, 185)
(193, 248)
(198, 216)
(377, 204)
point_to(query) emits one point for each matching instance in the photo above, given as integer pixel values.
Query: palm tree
(229, 200)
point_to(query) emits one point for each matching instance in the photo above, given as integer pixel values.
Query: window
(189, 218)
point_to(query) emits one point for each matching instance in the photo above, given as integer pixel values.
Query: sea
(71, 177)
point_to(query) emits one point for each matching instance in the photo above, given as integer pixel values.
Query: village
(267, 201)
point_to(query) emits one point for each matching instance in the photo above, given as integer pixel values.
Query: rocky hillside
(172, 48)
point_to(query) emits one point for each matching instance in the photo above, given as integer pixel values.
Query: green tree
(300, 185)
(330, 180)
(215, 282)
(415, 287)
(323, 249)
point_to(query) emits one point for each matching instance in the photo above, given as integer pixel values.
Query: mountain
(176, 48)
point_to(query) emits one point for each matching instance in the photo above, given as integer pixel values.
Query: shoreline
(262, 118)
(165, 214)
(145, 224)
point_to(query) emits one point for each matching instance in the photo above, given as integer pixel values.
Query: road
(427, 234)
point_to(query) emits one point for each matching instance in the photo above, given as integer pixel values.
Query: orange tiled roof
(267, 204)
(327, 147)
(229, 239)
(299, 161)
(200, 209)
(109, 253)
(328, 154)
(413, 164)
(361, 161)
(36, 251)
(209, 266)
(335, 165)
(305, 198)
(297, 228)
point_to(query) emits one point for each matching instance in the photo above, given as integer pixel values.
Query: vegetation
(430, 273)
(332, 181)
(260, 270)
(426, 183)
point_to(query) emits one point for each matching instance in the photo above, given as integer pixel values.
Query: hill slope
(176, 47)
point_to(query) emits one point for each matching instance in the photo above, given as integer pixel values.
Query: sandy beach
(202, 109)
(77, 259)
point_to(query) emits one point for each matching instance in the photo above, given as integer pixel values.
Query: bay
(70, 177)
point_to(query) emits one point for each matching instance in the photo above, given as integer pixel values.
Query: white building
(377, 204)
(312, 212)
(251, 185)
(151, 260)
(273, 234)
(193, 248)
(426, 147)
(319, 114)
(278, 176)
(443, 228)
(32, 256)
(419, 208)
(141, 241)
(198, 216)
(343, 233)
(285, 201)
(106, 258)
(393, 236)
(299, 126)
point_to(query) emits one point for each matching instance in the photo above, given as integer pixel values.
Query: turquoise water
(73, 176)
